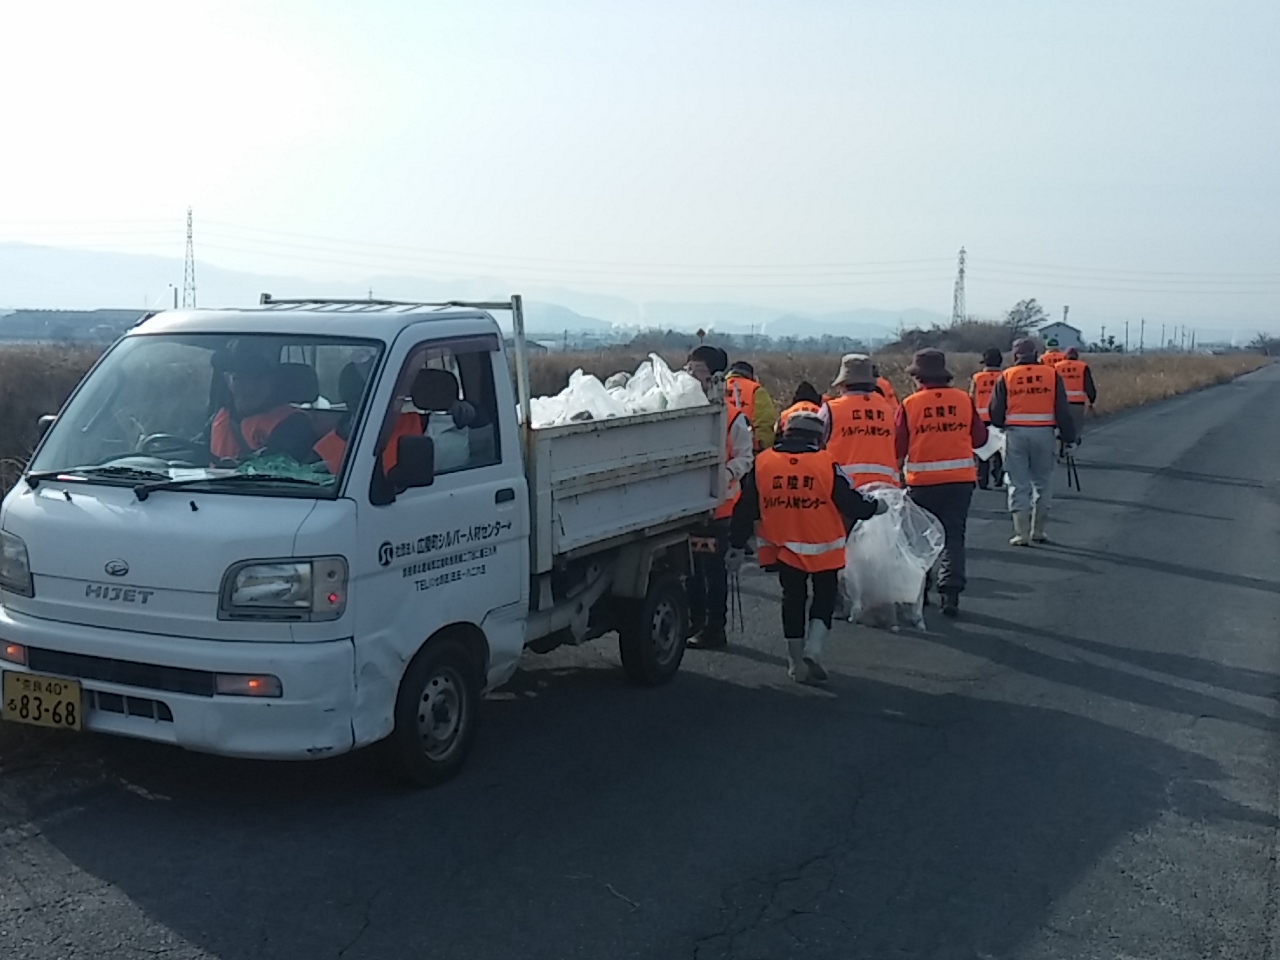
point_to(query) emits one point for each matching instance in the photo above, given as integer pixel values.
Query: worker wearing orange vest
(806, 399)
(257, 418)
(745, 392)
(938, 428)
(886, 387)
(805, 507)
(709, 586)
(981, 388)
(860, 425)
(1028, 403)
(1052, 356)
(1077, 379)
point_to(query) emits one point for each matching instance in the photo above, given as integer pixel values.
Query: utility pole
(189, 269)
(1126, 336)
(1104, 336)
(1193, 339)
(1164, 344)
(1142, 333)
(1065, 309)
(957, 298)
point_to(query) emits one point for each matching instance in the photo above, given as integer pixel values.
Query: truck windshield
(272, 411)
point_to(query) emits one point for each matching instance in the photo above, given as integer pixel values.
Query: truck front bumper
(160, 688)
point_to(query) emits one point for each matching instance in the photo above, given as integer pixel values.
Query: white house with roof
(1066, 335)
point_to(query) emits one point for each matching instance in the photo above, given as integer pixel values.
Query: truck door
(455, 551)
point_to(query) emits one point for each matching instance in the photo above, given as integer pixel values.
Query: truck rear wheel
(437, 709)
(652, 632)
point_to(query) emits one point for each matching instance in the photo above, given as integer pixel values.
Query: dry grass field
(36, 379)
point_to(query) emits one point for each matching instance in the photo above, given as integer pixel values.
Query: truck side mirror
(45, 422)
(415, 463)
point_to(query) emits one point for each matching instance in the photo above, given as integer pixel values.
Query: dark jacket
(852, 505)
(1061, 407)
(1090, 389)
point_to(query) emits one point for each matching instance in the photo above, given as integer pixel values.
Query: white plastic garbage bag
(994, 444)
(886, 559)
(654, 387)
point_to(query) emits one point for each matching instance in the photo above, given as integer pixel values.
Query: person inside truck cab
(259, 417)
(433, 409)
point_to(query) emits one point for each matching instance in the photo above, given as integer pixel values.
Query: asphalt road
(1083, 766)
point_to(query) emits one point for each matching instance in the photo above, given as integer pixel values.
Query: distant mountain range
(56, 278)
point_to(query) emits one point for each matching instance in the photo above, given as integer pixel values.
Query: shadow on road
(701, 819)
(1140, 505)
(1172, 569)
(1097, 678)
(1171, 473)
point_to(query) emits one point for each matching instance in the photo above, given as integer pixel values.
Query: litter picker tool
(1073, 474)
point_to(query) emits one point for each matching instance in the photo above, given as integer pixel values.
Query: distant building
(1066, 335)
(531, 346)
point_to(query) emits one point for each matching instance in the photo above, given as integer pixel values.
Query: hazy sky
(1120, 157)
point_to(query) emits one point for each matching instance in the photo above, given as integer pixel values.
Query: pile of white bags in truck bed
(886, 559)
(654, 387)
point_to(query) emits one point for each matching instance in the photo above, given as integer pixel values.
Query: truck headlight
(15, 568)
(285, 590)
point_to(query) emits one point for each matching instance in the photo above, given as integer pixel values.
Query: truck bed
(603, 481)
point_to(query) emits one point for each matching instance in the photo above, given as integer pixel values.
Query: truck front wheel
(652, 631)
(436, 713)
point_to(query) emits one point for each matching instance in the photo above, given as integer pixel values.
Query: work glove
(733, 560)
(463, 414)
(882, 506)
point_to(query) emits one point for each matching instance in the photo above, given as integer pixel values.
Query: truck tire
(652, 632)
(437, 710)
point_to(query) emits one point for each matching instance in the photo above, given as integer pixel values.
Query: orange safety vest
(887, 389)
(1072, 374)
(1053, 357)
(798, 515)
(1031, 389)
(984, 384)
(740, 392)
(862, 438)
(734, 491)
(332, 447)
(940, 420)
(804, 406)
(255, 431)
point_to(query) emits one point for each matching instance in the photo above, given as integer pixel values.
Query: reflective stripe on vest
(798, 515)
(1031, 390)
(862, 437)
(984, 384)
(940, 450)
(935, 466)
(812, 549)
(1072, 373)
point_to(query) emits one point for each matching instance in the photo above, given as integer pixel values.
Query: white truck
(297, 529)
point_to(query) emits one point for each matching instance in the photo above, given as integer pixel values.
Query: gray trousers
(1029, 457)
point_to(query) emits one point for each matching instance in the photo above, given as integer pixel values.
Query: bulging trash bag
(654, 387)
(680, 388)
(887, 558)
(994, 444)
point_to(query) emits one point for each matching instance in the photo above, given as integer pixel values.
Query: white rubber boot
(797, 669)
(814, 639)
(1039, 519)
(1021, 530)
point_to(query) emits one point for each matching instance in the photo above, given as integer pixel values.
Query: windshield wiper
(76, 473)
(144, 490)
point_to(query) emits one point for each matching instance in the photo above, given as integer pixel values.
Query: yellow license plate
(42, 701)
